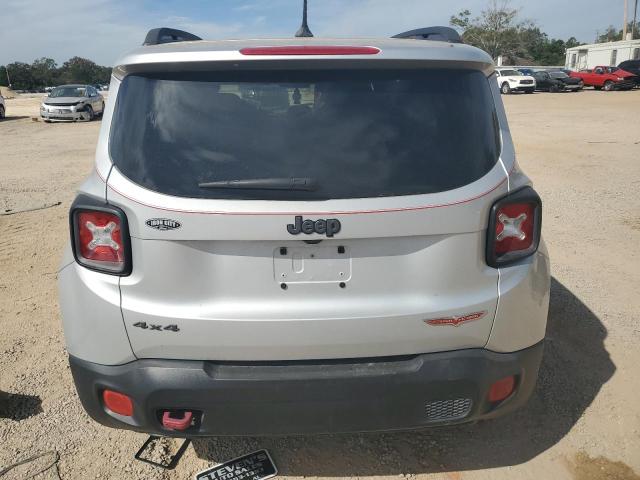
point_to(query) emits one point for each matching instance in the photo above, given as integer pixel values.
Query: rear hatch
(306, 213)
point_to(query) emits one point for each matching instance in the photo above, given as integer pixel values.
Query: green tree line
(500, 32)
(45, 72)
(613, 34)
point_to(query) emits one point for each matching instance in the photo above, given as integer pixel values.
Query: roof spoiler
(158, 36)
(439, 34)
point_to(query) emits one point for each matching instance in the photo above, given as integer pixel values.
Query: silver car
(304, 236)
(72, 102)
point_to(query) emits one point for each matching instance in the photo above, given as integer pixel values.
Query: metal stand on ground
(173, 460)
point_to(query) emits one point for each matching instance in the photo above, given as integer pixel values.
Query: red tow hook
(172, 422)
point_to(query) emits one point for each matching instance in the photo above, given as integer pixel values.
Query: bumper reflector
(502, 389)
(118, 403)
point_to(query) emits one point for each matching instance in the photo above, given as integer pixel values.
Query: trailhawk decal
(455, 321)
(163, 223)
(328, 227)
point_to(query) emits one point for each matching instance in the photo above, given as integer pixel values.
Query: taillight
(514, 228)
(100, 236)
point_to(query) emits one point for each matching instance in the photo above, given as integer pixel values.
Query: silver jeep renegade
(304, 236)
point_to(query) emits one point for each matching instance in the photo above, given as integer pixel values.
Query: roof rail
(441, 34)
(158, 36)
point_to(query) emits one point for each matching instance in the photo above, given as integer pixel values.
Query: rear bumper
(523, 88)
(624, 85)
(273, 398)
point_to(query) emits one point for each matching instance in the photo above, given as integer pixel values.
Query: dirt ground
(582, 151)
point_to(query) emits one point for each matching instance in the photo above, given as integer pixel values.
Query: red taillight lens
(514, 228)
(310, 50)
(100, 236)
(118, 403)
(502, 389)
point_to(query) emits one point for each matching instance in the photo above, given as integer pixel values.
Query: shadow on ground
(574, 368)
(14, 117)
(16, 406)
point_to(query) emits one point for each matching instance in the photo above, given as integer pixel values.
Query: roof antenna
(304, 31)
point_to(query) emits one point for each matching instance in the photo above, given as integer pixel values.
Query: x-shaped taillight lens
(99, 240)
(511, 227)
(102, 236)
(514, 227)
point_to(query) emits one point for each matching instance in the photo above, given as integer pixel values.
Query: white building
(609, 54)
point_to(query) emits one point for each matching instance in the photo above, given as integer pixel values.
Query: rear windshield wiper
(292, 183)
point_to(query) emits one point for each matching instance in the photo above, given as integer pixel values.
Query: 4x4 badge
(328, 227)
(163, 223)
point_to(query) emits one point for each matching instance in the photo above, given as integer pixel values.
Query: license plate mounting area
(312, 264)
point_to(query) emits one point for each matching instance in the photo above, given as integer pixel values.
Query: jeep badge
(329, 227)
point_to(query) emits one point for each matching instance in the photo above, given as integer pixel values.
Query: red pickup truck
(607, 78)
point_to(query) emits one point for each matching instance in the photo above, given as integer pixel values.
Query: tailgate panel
(228, 305)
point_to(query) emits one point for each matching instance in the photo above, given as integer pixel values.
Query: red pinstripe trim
(388, 210)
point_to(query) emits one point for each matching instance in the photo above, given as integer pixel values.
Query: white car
(304, 235)
(511, 80)
(3, 110)
(72, 102)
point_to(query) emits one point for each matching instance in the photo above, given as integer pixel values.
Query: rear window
(339, 133)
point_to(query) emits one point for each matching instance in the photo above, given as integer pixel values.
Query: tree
(44, 72)
(495, 30)
(21, 76)
(78, 70)
(103, 75)
(572, 42)
(82, 70)
(499, 32)
(533, 43)
(612, 34)
(4, 82)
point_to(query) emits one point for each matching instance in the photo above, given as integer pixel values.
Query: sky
(102, 30)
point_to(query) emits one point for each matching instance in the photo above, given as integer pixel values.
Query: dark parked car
(570, 83)
(527, 71)
(547, 83)
(632, 66)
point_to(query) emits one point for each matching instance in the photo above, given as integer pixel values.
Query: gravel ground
(582, 151)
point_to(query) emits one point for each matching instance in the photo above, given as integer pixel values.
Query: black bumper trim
(306, 397)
